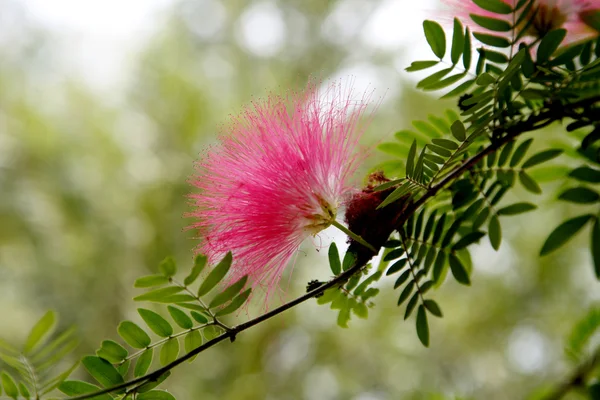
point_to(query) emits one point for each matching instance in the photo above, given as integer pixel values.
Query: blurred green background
(93, 186)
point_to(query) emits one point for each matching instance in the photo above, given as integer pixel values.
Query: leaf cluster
(29, 372)
(354, 295)
(187, 317)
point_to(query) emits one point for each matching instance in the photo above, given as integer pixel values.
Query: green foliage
(110, 365)
(353, 296)
(31, 371)
(502, 100)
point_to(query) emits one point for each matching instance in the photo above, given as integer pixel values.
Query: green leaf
(429, 259)
(459, 131)
(445, 143)
(491, 40)
(229, 293)
(528, 183)
(363, 286)
(449, 235)
(586, 174)
(159, 295)
(435, 37)
(467, 50)
(400, 191)
(438, 267)
(199, 264)
(168, 267)
(495, 232)
(180, 317)
(192, 341)
(422, 326)
(439, 150)
(429, 225)
(564, 232)
(169, 351)
(123, 367)
(420, 65)
(155, 395)
(505, 153)
(112, 351)
(595, 243)
(458, 270)
(10, 387)
(458, 42)
(361, 310)
(549, 44)
(102, 371)
(410, 160)
(440, 84)
(150, 281)
(24, 391)
(433, 307)
(520, 153)
(567, 54)
(176, 298)
(387, 185)
(216, 275)
(403, 278)
(485, 79)
(143, 363)
(492, 24)
(344, 317)
(397, 266)
(433, 78)
(439, 229)
(481, 218)
(410, 306)
(236, 303)
(78, 388)
(133, 335)
(199, 317)
(40, 331)
(495, 6)
(541, 157)
(406, 292)
(580, 195)
(468, 240)
(158, 324)
(517, 208)
(533, 94)
(334, 259)
(419, 224)
(348, 261)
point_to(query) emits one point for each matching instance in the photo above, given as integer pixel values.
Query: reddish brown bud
(372, 224)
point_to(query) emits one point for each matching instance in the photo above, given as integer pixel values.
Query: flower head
(279, 175)
(542, 17)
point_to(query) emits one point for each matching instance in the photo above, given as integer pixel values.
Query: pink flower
(279, 175)
(545, 15)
